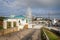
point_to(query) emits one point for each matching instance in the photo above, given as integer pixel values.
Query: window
(14, 24)
(19, 22)
(8, 24)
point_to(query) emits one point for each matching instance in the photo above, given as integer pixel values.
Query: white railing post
(46, 36)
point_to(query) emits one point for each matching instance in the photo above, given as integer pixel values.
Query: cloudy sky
(38, 7)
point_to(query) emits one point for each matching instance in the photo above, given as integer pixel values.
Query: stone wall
(9, 30)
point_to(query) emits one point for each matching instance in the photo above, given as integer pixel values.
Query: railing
(46, 36)
(43, 35)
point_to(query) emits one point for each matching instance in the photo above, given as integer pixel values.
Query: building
(29, 15)
(54, 21)
(15, 21)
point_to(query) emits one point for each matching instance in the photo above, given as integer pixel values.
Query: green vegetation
(1, 27)
(43, 37)
(1, 18)
(50, 35)
(1, 22)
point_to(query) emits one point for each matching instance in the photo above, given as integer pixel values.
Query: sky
(38, 7)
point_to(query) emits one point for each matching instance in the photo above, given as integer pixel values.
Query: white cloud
(19, 3)
(32, 3)
(14, 4)
(46, 3)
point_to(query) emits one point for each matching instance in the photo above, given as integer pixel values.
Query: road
(26, 34)
(38, 26)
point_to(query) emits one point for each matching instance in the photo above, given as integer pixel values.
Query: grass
(51, 35)
(43, 37)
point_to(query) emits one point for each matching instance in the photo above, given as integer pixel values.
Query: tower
(29, 15)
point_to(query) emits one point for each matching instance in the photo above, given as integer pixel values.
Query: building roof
(20, 16)
(16, 17)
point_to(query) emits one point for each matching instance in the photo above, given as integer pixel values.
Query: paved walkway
(36, 35)
(27, 34)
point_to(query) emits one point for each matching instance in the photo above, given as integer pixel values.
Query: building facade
(16, 21)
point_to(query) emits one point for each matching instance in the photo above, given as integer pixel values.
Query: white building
(54, 21)
(15, 21)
